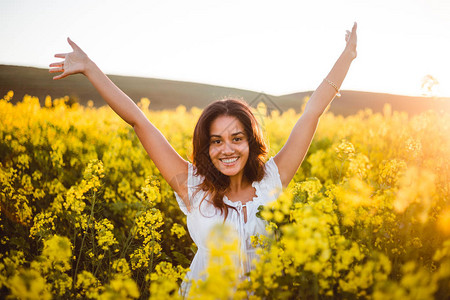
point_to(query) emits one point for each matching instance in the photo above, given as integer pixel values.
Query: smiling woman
(229, 177)
(228, 151)
(229, 147)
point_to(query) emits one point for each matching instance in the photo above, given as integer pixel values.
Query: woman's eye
(215, 142)
(237, 139)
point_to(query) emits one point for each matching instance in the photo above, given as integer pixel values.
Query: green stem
(150, 269)
(127, 244)
(109, 264)
(94, 251)
(151, 258)
(98, 266)
(82, 241)
(316, 288)
(74, 243)
(128, 241)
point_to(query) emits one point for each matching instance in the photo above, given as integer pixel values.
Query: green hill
(168, 94)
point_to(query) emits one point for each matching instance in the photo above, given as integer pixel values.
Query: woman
(228, 178)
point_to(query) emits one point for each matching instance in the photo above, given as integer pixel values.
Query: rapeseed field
(85, 214)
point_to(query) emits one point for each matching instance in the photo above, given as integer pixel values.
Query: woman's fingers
(73, 62)
(59, 76)
(75, 47)
(56, 67)
(56, 64)
(55, 70)
(72, 44)
(351, 40)
(353, 33)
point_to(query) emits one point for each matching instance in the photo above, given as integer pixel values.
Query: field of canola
(86, 215)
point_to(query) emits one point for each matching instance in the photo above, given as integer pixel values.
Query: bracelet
(338, 92)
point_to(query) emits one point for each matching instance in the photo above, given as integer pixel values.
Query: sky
(275, 47)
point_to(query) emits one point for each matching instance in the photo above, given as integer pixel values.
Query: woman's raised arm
(294, 151)
(171, 165)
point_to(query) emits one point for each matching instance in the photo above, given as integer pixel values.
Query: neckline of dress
(255, 184)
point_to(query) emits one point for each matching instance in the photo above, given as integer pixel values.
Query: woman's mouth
(229, 161)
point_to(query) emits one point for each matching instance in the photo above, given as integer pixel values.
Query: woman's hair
(215, 183)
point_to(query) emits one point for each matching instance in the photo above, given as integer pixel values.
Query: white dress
(199, 223)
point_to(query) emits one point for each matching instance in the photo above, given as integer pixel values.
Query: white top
(200, 222)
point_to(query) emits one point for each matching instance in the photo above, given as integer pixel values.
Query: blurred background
(277, 49)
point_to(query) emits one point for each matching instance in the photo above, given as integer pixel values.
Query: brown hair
(216, 183)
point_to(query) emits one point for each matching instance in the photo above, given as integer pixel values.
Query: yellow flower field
(86, 215)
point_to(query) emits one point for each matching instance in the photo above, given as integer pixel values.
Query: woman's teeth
(229, 161)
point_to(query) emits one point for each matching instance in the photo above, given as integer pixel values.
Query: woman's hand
(73, 63)
(351, 40)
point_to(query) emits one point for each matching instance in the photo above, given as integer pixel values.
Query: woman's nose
(227, 148)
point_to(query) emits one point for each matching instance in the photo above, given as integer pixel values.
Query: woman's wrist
(349, 53)
(89, 68)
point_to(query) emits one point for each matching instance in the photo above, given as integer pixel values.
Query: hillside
(168, 94)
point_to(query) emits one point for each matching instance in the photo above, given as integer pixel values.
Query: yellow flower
(177, 230)
(371, 183)
(57, 248)
(121, 288)
(8, 96)
(104, 234)
(391, 170)
(164, 281)
(223, 269)
(345, 150)
(88, 284)
(43, 224)
(29, 284)
(417, 191)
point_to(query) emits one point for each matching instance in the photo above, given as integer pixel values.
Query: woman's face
(228, 147)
